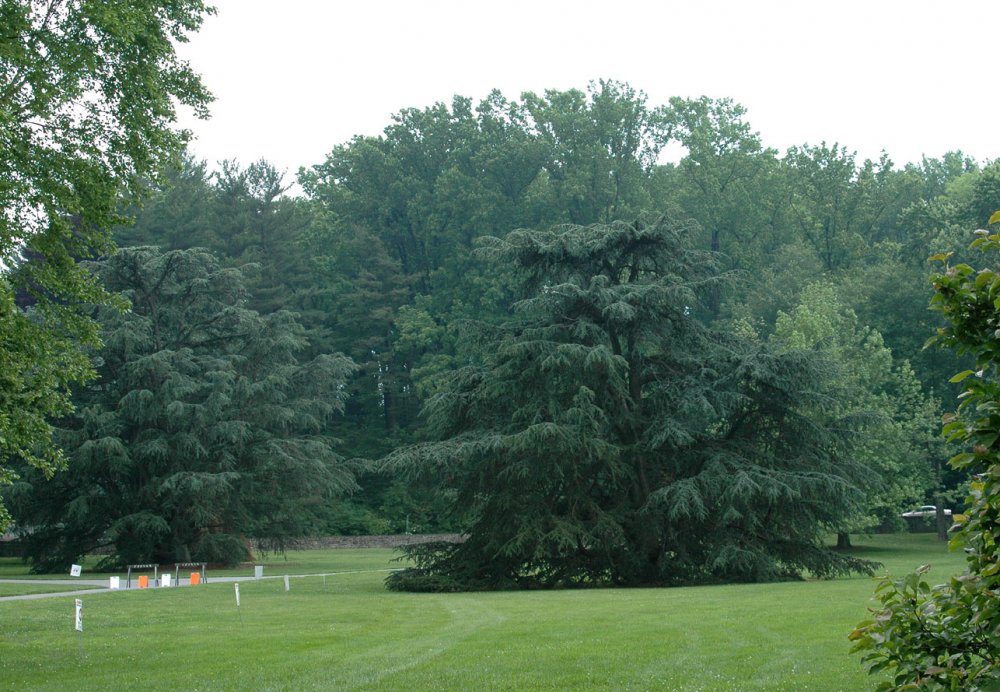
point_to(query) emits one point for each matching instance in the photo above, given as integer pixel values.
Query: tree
(203, 428)
(605, 436)
(839, 204)
(602, 145)
(397, 217)
(179, 213)
(898, 445)
(89, 93)
(723, 157)
(727, 179)
(948, 636)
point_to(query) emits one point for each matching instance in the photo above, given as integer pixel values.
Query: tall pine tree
(202, 430)
(607, 436)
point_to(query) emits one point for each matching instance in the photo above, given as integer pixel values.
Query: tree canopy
(88, 99)
(789, 297)
(899, 447)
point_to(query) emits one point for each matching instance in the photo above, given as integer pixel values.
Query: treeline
(278, 346)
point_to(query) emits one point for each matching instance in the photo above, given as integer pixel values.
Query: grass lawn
(13, 568)
(24, 589)
(347, 632)
(293, 562)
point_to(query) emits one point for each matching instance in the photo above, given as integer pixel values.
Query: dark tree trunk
(844, 541)
(943, 524)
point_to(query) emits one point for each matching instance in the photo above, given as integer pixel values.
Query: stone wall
(365, 541)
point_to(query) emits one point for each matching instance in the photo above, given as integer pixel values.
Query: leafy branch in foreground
(948, 636)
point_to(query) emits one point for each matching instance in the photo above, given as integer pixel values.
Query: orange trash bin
(195, 578)
(143, 581)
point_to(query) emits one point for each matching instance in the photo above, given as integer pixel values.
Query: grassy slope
(350, 633)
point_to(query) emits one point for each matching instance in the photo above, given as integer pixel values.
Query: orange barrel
(143, 581)
(195, 578)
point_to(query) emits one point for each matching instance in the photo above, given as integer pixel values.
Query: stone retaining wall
(365, 541)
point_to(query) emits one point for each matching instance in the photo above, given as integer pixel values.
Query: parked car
(926, 511)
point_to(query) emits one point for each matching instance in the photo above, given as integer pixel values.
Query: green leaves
(89, 96)
(948, 636)
(961, 376)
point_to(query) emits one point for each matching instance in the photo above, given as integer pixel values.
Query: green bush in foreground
(948, 636)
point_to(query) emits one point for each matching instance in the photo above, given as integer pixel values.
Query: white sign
(237, 594)
(115, 583)
(165, 579)
(79, 615)
(75, 570)
(286, 582)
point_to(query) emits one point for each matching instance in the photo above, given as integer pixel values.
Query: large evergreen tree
(203, 429)
(607, 436)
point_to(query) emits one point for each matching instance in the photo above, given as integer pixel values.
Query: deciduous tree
(896, 420)
(948, 636)
(88, 99)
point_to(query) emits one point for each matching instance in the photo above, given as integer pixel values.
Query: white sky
(293, 78)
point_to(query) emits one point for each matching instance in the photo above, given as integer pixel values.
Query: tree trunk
(943, 524)
(844, 541)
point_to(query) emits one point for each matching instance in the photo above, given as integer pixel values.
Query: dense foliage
(948, 636)
(607, 436)
(202, 429)
(397, 217)
(900, 441)
(88, 98)
(806, 280)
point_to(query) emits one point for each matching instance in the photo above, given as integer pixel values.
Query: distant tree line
(630, 370)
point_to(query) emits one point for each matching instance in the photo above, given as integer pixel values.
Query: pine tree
(607, 436)
(203, 428)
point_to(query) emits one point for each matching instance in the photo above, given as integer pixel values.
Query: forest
(523, 321)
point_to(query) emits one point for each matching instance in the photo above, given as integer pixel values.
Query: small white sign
(165, 579)
(115, 583)
(79, 615)
(237, 594)
(75, 570)
(286, 583)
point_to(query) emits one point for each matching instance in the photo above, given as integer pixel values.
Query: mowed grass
(25, 589)
(348, 632)
(292, 562)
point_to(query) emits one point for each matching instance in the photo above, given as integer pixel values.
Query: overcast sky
(294, 78)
